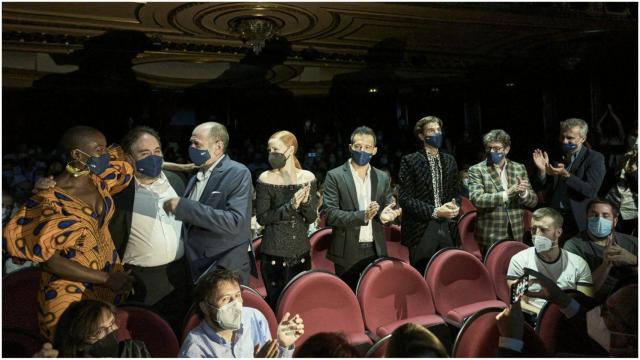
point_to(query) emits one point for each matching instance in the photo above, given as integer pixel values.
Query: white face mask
(542, 244)
(229, 316)
(600, 333)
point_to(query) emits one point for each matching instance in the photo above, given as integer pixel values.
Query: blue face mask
(569, 148)
(599, 226)
(495, 157)
(198, 157)
(361, 157)
(434, 140)
(151, 166)
(97, 164)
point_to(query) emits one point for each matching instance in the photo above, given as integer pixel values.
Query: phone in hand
(519, 288)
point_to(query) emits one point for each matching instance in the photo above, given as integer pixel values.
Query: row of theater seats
(454, 295)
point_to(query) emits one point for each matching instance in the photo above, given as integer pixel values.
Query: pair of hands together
(541, 160)
(301, 196)
(520, 188)
(448, 210)
(389, 213)
(289, 330)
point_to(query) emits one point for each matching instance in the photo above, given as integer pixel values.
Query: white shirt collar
(161, 180)
(353, 171)
(201, 175)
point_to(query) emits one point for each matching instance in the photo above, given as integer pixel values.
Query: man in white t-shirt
(568, 270)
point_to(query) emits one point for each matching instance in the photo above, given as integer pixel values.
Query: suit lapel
(214, 180)
(495, 178)
(190, 186)
(351, 186)
(374, 184)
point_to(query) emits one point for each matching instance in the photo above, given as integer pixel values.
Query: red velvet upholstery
(466, 205)
(466, 229)
(20, 301)
(379, 348)
(250, 298)
(497, 263)
(394, 247)
(320, 241)
(479, 337)
(256, 282)
(139, 323)
(326, 304)
(388, 303)
(526, 220)
(460, 285)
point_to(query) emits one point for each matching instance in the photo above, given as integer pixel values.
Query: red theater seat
(139, 323)
(320, 242)
(466, 234)
(395, 249)
(497, 263)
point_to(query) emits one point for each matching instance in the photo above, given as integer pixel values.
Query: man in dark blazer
(353, 195)
(216, 208)
(149, 241)
(570, 185)
(428, 186)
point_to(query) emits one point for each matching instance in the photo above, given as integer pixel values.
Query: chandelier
(254, 31)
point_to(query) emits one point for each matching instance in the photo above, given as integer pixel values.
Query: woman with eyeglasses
(285, 205)
(88, 328)
(65, 229)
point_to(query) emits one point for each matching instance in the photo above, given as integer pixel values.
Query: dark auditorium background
(328, 68)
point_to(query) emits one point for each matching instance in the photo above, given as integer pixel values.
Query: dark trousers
(436, 236)
(165, 288)
(278, 271)
(350, 274)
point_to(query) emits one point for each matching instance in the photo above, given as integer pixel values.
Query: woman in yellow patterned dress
(65, 229)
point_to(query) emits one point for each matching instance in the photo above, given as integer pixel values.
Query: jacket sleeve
(309, 209)
(477, 195)
(531, 200)
(331, 205)
(221, 221)
(406, 193)
(594, 175)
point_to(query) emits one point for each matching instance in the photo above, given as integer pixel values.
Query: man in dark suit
(147, 239)
(353, 196)
(428, 187)
(216, 208)
(571, 184)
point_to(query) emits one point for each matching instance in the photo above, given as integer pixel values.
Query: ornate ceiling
(192, 43)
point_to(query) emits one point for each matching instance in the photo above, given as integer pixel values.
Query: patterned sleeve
(119, 173)
(40, 229)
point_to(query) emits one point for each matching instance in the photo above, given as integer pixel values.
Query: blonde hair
(550, 213)
(288, 139)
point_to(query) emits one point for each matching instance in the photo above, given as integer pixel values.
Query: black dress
(285, 244)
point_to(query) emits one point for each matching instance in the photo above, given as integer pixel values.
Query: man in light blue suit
(216, 207)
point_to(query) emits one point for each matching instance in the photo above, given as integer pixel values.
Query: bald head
(214, 132)
(90, 142)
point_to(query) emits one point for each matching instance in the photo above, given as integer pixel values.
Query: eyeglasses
(495, 149)
(358, 147)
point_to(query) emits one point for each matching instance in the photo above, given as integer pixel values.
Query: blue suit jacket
(217, 227)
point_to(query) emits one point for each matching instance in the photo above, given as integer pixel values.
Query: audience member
(569, 185)
(611, 255)
(216, 206)
(327, 345)
(427, 190)
(625, 190)
(285, 206)
(354, 193)
(230, 330)
(412, 340)
(66, 229)
(148, 239)
(499, 188)
(567, 269)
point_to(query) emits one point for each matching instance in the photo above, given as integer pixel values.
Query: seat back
(479, 337)
(20, 301)
(256, 282)
(20, 343)
(320, 242)
(384, 299)
(250, 298)
(325, 303)
(560, 335)
(466, 234)
(379, 349)
(457, 278)
(466, 205)
(395, 249)
(497, 263)
(139, 323)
